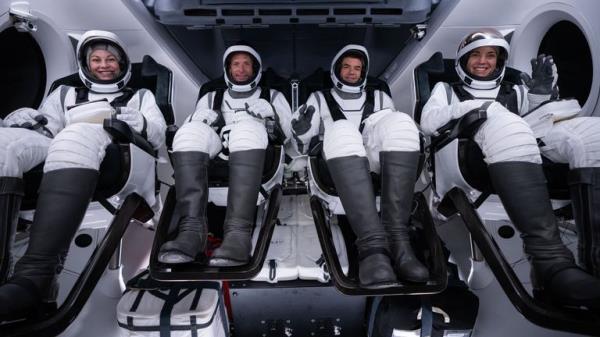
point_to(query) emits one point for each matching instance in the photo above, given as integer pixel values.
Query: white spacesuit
(71, 139)
(511, 152)
(236, 118)
(363, 132)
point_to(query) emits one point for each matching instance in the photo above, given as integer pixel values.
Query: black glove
(303, 123)
(542, 75)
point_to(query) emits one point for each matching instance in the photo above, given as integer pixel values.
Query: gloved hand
(260, 108)
(206, 116)
(543, 75)
(461, 108)
(25, 118)
(133, 117)
(302, 124)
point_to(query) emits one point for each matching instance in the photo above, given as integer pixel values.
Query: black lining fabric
(368, 107)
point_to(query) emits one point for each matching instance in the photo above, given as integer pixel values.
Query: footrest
(348, 284)
(199, 270)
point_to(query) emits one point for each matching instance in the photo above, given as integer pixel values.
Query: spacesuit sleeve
(201, 111)
(302, 141)
(283, 113)
(383, 101)
(437, 111)
(54, 110)
(531, 101)
(155, 122)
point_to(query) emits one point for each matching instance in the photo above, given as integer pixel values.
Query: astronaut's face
(482, 61)
(351, 69)
(104, 65)
(240, 67)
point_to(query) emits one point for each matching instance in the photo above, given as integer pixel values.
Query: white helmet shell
(257, 67)
(90, 38)
(348, 50)
(484, 37)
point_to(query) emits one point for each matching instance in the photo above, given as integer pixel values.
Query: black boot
(584, 184)
(245, 175)
(554, 275)
(11, 193)
(63, 199)
(191, 189)
(355, 189)
(398, 174)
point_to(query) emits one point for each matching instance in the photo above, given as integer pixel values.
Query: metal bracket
(21, 16)
(418, 31)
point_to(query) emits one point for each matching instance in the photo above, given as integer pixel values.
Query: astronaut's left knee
(79, 145)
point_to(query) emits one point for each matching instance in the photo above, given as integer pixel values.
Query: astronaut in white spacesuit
(237, 117)
(513, 156)
(362, 133)
(69, 136)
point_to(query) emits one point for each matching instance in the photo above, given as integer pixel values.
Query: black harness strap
(216, 106)
(120, 101)
(507, 96)
(337, 114)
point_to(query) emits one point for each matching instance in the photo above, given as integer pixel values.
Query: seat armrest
(464, 127)
(468, 124)
(122, 133)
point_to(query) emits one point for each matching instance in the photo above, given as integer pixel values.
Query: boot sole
(221, 262)
(381, 285)
(174, 258)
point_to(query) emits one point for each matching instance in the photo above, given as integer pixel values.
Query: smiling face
(104, 65)
(351, 69)
(482, 61)
(240, 67)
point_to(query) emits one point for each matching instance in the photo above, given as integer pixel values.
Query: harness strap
(337, 114)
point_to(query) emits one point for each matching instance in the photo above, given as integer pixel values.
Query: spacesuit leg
(11, 193)
(20, 151)
(248, 141)
(346, 159)
(395, 139)
(577, 142)
(518, 179)
(194, 144)
(68, 184)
